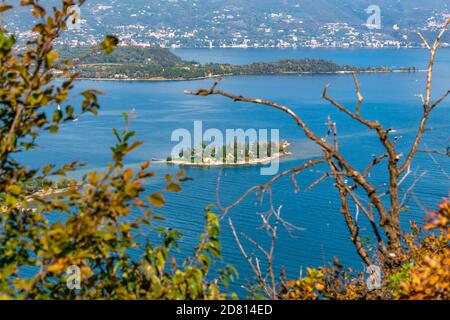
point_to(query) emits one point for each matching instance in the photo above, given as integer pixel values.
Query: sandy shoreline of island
(250, 162)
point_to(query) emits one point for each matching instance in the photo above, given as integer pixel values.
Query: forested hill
(123, 55)
(155, 63)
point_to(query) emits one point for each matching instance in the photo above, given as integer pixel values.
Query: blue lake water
(162, 107)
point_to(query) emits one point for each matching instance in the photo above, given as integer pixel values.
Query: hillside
(255, 23)
(123, 55)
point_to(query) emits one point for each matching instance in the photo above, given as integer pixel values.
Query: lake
(161, 107)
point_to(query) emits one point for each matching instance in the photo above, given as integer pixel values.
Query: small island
(160, 64)
(231, 155)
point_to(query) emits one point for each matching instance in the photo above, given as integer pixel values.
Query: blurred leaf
(157, 200)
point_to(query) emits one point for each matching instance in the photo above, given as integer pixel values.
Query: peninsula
(160, 64)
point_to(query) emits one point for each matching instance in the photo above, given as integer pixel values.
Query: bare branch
(370, 124)
(255, 268)
(318, 181)
(13, 128)
(421, 99)
(370, 217)
(295, 183)
(442, 153)
(438, 101)
(256, 244)
(406, 175)
(335, 103)
(427, 45)
(269, 289)
(427, 108)
(411, 187)
(263, 187)
(358, 93)
(374, 162)
(430, 154)
(345, 209)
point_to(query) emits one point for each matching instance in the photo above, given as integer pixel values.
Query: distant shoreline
(158, 64)
(161, 79)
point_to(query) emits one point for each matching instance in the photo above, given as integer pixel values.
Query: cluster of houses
(231, 154)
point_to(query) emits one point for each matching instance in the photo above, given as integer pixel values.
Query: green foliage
(98, 221)
(109, 44)
(403, 274)
(122, 55)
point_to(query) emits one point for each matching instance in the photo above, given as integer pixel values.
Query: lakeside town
(170, 25)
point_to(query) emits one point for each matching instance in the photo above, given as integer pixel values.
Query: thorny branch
(266, 279)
